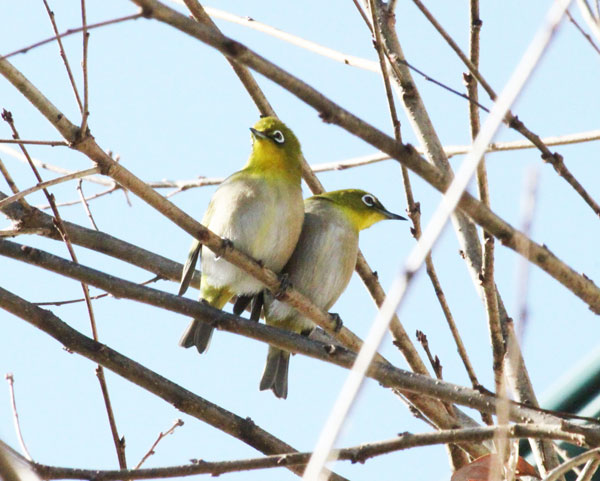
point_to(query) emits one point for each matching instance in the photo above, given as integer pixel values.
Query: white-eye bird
(320, 267)
(260, 210)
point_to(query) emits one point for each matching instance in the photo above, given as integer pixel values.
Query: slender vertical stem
(84, 65)
(63, 55)
(11, 388)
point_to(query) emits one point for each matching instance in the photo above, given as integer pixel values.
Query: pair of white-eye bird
(313, 243)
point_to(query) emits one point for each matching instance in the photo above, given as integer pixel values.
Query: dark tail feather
(188, 268)
(197, 334)
(275, 376)
(241, 304)
(257, 306)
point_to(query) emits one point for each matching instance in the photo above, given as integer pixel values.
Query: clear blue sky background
(172, 108)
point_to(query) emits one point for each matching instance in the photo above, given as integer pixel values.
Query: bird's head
(362, 208)
(274, 146)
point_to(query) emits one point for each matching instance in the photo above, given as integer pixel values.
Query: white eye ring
(369, 200)
(278, 137)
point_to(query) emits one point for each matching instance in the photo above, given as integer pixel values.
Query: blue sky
(172, 108)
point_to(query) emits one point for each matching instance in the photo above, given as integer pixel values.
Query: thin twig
(85, 205)
(72, 31)
(362, 13)
(434, 361)
(583, 32)
(52, 168)
(52, 143)
(161, 435)
(63, 55)
(587, 474)
(565, 467)
(11, 389)
(528, 204)
(588, 16)
(99, 296)
(564, 455)
(84, 66)
(12, 185)
(112, 189)
(48, 183)
(384, 70)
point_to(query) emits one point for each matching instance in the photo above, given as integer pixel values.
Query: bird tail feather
(197, 334)
(275, 375)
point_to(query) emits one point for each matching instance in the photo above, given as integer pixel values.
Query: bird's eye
(278, 137)
(369, 200)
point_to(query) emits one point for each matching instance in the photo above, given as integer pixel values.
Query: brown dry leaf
(479, 469)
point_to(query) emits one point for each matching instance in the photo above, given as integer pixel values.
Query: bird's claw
(335, 317)
(284, 285)
(225, 245)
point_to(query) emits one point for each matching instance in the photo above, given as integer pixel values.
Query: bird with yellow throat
(320, 267)
(260, 210)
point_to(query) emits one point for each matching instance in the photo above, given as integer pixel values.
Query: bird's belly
(271, 242)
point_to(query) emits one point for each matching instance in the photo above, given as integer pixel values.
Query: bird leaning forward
(320, 267)
(260, 210)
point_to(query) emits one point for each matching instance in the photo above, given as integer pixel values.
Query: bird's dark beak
(258, 134)
(391, 215)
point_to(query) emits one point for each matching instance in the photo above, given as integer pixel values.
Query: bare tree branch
(160, 437)
(48, 183)
(63, 55)
(359, 454)
(72, 31)
(13, 404)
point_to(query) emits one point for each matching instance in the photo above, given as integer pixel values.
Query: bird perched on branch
(260, 210)
(320, 267)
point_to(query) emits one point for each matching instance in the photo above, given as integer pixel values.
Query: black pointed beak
(391, 215)
(258, 134)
